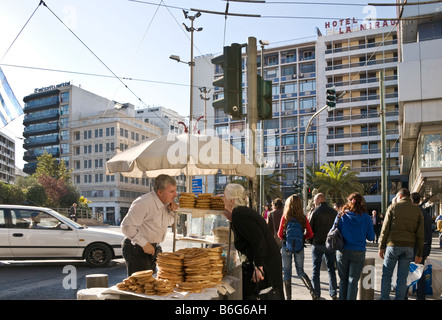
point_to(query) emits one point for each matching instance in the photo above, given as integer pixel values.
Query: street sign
(197, 186)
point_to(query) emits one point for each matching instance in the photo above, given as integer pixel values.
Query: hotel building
(350, 59)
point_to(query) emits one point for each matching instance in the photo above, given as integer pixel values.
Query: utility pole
(192, 64)
(384, 185)
(252, 112)
(205, 98)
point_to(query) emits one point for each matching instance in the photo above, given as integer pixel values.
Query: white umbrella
(169, 155)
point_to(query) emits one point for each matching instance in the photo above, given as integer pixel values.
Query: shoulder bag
(334, 240)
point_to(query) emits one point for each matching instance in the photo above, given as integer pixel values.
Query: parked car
(29, 233)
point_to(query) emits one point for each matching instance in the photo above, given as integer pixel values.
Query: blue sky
(134, 39)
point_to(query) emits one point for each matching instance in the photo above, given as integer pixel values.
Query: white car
(29, 233)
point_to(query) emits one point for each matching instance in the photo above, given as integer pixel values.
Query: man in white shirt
(145, 225)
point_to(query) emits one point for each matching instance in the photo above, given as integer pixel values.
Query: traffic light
(264, 89)
(331, 97)
(231, 81)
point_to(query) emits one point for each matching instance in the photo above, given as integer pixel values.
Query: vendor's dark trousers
(137, 259)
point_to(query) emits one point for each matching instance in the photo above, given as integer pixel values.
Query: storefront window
(430, 151)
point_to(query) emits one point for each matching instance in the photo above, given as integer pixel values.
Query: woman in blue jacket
(356, 228)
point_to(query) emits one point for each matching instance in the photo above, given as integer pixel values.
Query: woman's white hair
(236, 192)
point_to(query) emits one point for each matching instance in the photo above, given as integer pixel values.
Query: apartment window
(307, 67)
(64, 109)
(87, 134)
(308, 85)
(288, 139)
(271, 73)
(288, 70)
(288, 104)
(311, 138)
(288, 88)
(307, 103)
(110, 131)
(289, 122)
(64, 97)
(98, 133)
(289, 157)
(64, 122)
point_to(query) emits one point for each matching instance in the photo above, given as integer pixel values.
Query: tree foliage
(337, 181)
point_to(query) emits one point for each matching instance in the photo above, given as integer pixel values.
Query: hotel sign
(348, 25)
(61, 85)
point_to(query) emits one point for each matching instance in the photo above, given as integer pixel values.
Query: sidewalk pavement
(300, 292)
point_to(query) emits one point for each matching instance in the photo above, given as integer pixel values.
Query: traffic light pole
(252, 112)
(304, 188)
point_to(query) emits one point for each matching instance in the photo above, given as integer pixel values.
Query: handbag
(334, 240)
(275, 233)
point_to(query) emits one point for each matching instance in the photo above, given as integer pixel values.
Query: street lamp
(191, 63)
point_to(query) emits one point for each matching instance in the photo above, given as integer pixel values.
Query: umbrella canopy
(172, 154)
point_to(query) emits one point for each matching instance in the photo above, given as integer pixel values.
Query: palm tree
(337, 181)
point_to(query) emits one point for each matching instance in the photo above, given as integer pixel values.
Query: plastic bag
(414, 274)
(433, 278)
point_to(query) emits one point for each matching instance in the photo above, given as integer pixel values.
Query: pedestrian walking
(73, 212)
(439, 228)
(294, 215)
(356, 228)
(274, 219)
(321, 221)
(376, 226)
(402, 231)
(428, 239)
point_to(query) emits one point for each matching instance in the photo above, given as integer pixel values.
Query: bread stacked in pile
(186, 270)
(201, 201)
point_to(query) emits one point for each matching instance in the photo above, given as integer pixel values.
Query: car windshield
(64, 219)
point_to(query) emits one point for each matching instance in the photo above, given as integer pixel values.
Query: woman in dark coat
(260, 255)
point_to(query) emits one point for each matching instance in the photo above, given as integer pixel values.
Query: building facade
(95, 139)
(7, 159)
(85, 130)
(166, 119)
(351, 132)
(420, 102)
(349, 59)
(293, 73)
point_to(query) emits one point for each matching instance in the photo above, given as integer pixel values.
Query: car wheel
(98, 255)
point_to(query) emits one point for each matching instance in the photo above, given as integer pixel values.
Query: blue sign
(197, 186)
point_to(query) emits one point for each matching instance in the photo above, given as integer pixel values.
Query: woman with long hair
(356, 228)
(293, 209)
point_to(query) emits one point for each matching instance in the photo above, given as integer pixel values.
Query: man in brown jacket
(403, 228)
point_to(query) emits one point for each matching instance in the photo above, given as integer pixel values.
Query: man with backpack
(321, 221)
